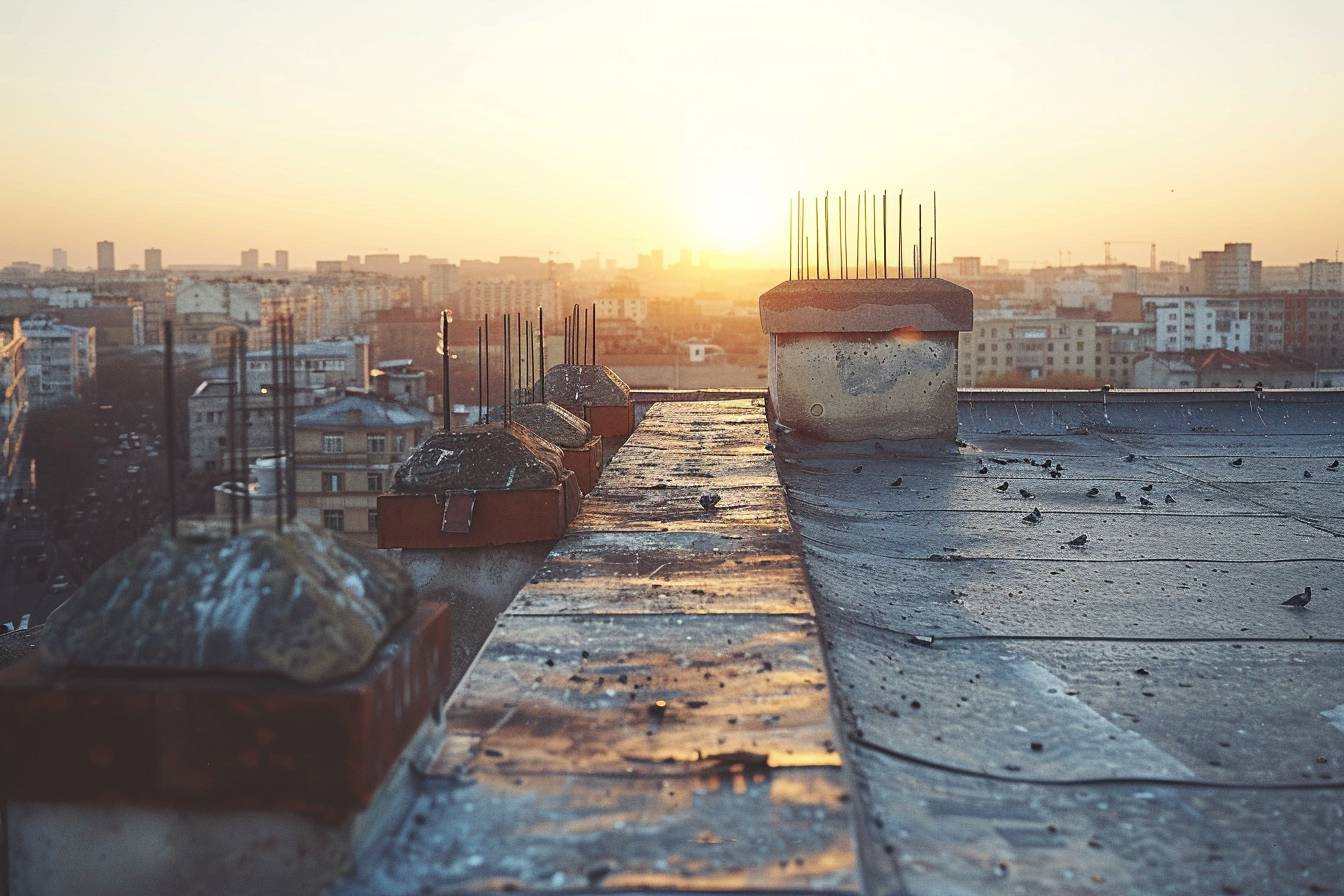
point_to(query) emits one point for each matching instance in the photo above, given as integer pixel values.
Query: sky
(576, 129)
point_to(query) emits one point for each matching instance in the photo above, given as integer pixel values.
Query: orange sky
(587, 128)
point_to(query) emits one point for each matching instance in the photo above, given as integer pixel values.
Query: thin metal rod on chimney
(884, 234)
(541, 349)
(508, 368)
(487, 368)
(828, 234)
(232, 440)
(447, 377)
(242, 407)
(169, 427)
(900, 235)
(480, 377)
(921, 241)
(934, 253)
(291, 468)
(594, 334)
(275, 426)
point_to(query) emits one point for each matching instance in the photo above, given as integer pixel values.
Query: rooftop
(864, 670)
(362, 410)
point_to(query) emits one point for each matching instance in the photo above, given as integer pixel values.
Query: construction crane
(1152, 250)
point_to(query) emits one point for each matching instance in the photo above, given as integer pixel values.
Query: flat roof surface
(1138, 714)
(908, 688)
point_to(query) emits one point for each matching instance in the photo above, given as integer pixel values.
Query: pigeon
(983, 469)
(1034, 516)
(1055, 474)
(1146, 488)
(896, 483)
(1298, 600)
(1059, 467)
(1077, 542)
(1026, 494)
(1048, 463)
(1120, 497)
(1235, 463)
(709, 500)
(1306, 474)
(859, 468)
(1144, 501)
(1169, 499)
(999, 461)
(1333, 466)
(1093, 492)
(1002, 488)
(1129, 458)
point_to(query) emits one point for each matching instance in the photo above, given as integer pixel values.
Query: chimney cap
(553, 423)
(499, 456)
(866, 306)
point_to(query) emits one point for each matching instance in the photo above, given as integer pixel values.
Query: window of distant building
(333, 443)
(375, 482)
(377, 442)
(334, 520)
(373, 521)
(333, 482)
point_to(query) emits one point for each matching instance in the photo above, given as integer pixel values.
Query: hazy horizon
(602, 128)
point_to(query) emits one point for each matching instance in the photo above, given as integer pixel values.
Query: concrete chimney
(865, 359)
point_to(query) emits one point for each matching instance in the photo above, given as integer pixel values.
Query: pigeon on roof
(1026, 494)
(1034, 516)
(1093, 492)
(1003, 487)
(1169, 500)
(1235, 463)
(1120, 497)
(1144, 502)
(709, 500)
(1299, 600)
(1146, 488)
(1076, 542)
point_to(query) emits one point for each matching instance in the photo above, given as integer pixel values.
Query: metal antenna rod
(447, 378)
(531, 370)
(874, 244)
(242, 402)
(900, 234)
(518, 339)
(921, 241)
(594, 334)
(291, 469)
(169, 426)
(541, 349)
(828, 234)
(507, 367)
(487, 368)
(935, 233)
(583, 343)
(275, 424)
(232, 440)
(884, 234)
(578, 332)
(480, 377)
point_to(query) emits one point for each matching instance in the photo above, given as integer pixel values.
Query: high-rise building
(1229, 271)
(251, 260)
(107, 257)
(60, 261)
(153, 261)
(281, 259)
(1321, 275)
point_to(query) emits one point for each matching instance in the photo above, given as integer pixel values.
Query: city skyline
(602, 129)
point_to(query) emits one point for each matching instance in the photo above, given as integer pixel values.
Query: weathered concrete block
(864, 359)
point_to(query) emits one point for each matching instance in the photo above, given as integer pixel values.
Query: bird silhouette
(1093, 492)
(709, 500)
(1002, 488)
(1026, 494)
(1077, 542)
(1129, 458)
(983, 470)
(1055, 474)
(1169, 499)
(998, 460)
(1059, 467)
(896, 483)
(1333, 466)
(1146, 488)
(1235, 463)
(1306, 474)
(1047, 463)
(859, 468)
(1298, 600)
(1120, 497)
(1144, 501)
(1034, 516)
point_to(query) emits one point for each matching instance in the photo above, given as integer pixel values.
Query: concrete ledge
(866, 306)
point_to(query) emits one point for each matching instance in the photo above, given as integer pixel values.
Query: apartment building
(61, 361)
(13, 401)
(346, 453)
(1231, 270)
(1004, 349)
(1120, 345)
(1187, 323)
(1306, 325)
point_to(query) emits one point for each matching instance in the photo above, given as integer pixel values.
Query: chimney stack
(866, 359)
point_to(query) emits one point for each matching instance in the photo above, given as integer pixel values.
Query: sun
(735, 211)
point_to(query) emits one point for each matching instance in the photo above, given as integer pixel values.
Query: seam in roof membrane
(1183, 783)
